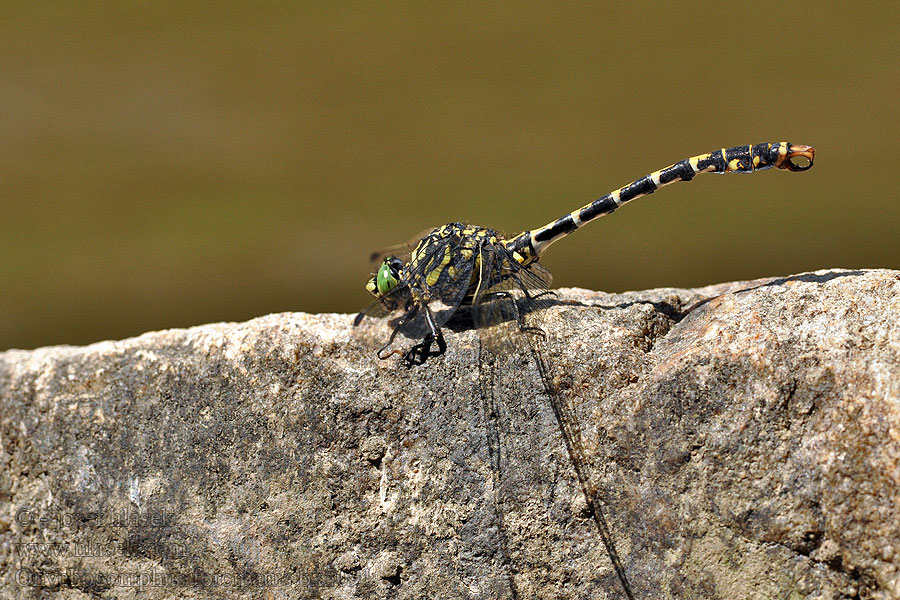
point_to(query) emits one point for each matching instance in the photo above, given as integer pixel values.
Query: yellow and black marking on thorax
(458, 264)
(449, 261)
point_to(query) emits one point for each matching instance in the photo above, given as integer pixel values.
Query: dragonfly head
(387, 277)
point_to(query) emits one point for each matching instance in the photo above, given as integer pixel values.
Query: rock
(742, 441)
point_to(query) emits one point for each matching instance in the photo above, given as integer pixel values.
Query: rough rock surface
(743, 439)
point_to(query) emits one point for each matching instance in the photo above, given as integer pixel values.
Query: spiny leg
(523, 326)
(421, 352)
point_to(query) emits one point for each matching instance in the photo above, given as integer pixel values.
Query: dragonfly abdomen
(529, 245)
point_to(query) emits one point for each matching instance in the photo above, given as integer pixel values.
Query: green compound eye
(388, 275)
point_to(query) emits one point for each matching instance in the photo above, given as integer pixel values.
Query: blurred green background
(168, 164)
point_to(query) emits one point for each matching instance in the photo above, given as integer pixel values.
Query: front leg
(421, 352)
(418, 354)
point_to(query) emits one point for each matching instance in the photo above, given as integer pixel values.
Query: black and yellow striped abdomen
(529, 245)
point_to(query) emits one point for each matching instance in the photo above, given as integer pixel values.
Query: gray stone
(743, 441)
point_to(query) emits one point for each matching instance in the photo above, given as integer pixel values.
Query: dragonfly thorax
(449, 257)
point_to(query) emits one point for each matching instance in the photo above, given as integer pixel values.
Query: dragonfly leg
(523, 327)
(421, 352)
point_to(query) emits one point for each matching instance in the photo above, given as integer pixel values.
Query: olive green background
(167, 164)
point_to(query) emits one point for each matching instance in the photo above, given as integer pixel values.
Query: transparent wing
(509, 314)
(537, 277)
(510, 296)
(401, 251)
(381, 307)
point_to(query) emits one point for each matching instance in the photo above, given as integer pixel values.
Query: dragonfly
(421, 285)
(465, 265)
